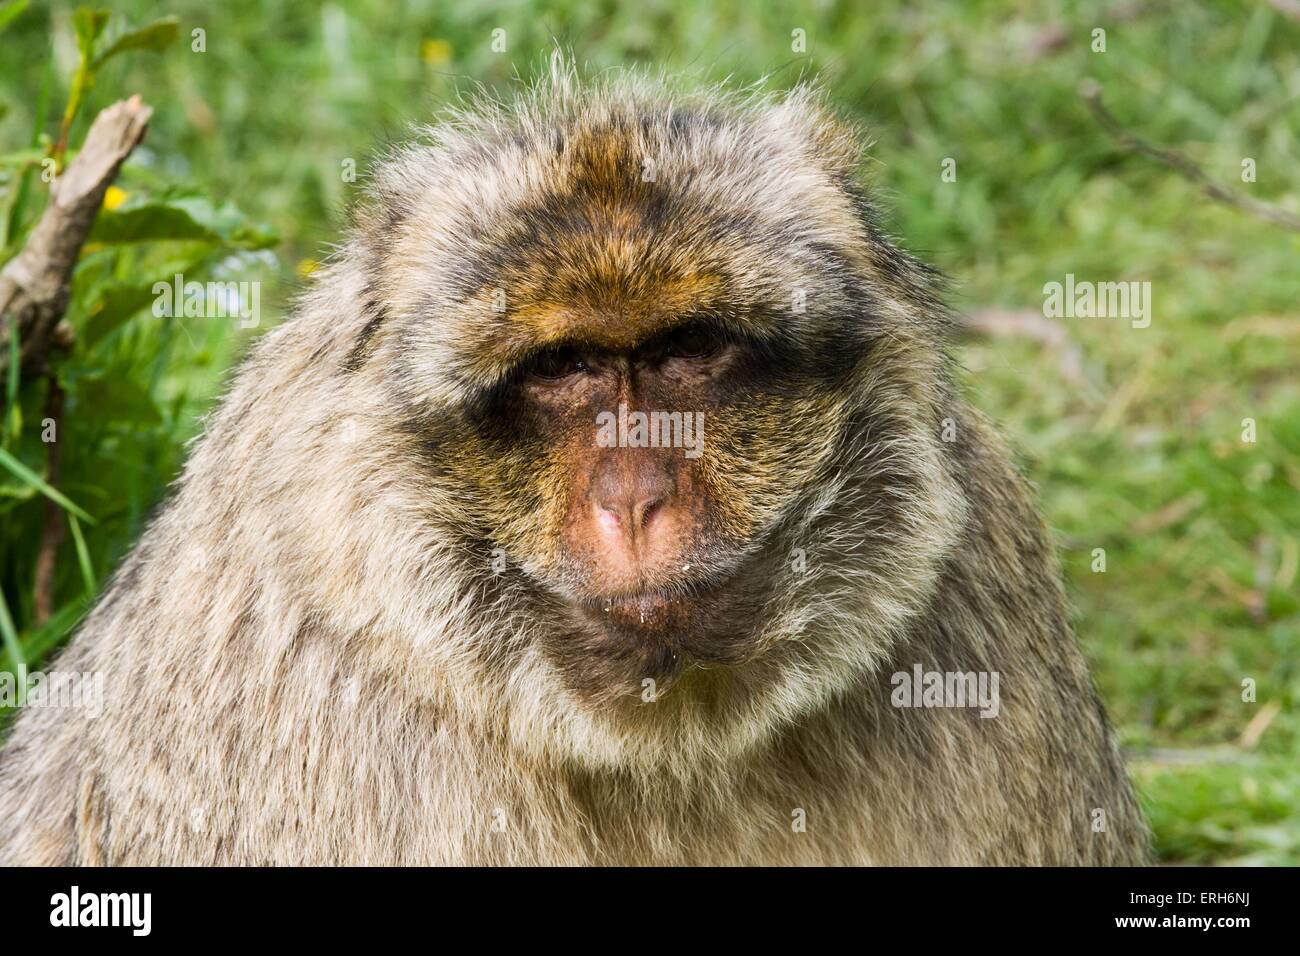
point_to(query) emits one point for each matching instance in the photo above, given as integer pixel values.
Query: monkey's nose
(627, 517)
(631, 502)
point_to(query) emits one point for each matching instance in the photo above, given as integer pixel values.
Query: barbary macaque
(441, 583)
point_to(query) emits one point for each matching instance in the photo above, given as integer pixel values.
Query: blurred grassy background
(1133, 435)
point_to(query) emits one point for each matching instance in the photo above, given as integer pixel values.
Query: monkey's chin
(651, 613)
(706, 622)
(614, 643)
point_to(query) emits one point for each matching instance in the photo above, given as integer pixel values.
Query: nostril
(628, 519)
(610, 519)
(645, 512)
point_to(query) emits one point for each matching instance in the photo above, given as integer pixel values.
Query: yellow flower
(307, 266)
(435, 52)
(114, 197)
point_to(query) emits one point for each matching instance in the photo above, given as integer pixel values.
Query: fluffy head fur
(312, 660)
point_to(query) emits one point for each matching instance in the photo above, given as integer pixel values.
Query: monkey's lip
(652, 607)
(648, 601)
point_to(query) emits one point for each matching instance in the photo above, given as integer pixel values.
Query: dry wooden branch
(1090, 90)
(35, 285)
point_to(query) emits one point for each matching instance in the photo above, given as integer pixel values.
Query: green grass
(1140, 453)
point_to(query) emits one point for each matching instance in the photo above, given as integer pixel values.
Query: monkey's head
(669, 396)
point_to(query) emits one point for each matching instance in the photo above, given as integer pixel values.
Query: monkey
(426, 592)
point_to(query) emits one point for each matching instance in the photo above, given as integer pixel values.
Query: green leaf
(13, 420)
(10, 11)
(22, 157)
(36, 481)
(182, 218)
(156, 36)
(115, 307)
(149, 223)
(10, 636)
(116, 399)
(13, 426)
(89, 25)
(16, 491)
(37, 642)
(11, 218)
(83, 556)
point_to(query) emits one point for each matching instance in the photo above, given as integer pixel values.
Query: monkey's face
(645, 481)
(637, 397)
(639, 482)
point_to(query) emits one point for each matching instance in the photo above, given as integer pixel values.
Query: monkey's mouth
(616, 640)
(677, 609)
(651, 609)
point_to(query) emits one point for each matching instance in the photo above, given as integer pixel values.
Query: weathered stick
(35, 285)
(1090, 90)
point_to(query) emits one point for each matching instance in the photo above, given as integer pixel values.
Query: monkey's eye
(692, 342)
(557, 364)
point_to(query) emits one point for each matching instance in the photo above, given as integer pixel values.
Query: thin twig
(35, 284)
(1090, 90)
